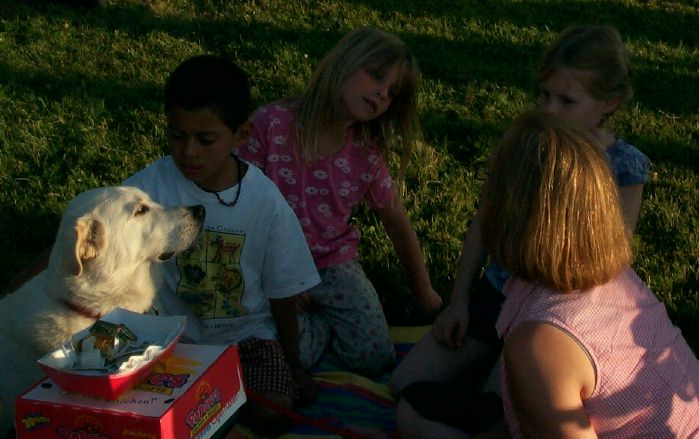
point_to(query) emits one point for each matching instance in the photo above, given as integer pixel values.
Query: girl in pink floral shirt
(325, 151)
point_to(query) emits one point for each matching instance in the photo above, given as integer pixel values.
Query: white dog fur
(106, 255)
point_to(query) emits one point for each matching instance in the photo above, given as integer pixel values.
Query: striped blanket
(348, 405)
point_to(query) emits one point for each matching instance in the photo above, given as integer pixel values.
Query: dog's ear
(89, 241)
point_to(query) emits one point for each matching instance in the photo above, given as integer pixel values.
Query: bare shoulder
(539, 349)
(549, 375)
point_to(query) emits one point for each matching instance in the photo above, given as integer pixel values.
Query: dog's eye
(142, 210)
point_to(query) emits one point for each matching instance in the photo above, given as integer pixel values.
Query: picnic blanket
(348, 405)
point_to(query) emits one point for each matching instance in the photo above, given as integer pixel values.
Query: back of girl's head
(213, 82)
(551, 209)
(598, 51)
(377, 51)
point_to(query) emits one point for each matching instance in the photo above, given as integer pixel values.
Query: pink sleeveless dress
(647, 377)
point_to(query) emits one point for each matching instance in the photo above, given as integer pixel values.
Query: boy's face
(201, 144)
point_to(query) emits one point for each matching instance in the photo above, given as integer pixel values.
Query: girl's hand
(449, 327)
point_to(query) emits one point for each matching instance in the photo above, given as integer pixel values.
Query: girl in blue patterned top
(583, 78)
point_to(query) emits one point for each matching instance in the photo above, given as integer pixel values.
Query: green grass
(80, 107)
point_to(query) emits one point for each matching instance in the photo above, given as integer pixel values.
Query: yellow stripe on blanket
(408, 334)
(345, 378)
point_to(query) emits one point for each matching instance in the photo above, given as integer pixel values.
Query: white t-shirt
(246, 254)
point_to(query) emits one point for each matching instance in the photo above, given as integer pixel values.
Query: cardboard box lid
(189, 359)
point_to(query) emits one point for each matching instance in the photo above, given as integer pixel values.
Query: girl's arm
(631, 198)
(450, 326)
(284, 312)
(401, 233)
(548, 377)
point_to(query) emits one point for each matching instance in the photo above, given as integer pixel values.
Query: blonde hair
(551, 209)
(322, 105)
(598, 51)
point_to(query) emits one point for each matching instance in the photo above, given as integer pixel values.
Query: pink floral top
(324, 193)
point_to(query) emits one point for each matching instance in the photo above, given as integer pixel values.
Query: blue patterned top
(629, 166)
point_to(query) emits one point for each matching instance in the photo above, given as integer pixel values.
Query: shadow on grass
(460, 63)
(24, 236)
(681, 155)
(661, 23)
(452, 61)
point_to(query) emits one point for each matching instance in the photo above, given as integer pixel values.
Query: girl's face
(201, 144)
(564, 95)
(367, 93)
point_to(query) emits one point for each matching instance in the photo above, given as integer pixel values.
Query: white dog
(106, 255)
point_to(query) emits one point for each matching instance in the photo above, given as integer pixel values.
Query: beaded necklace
(240, 185)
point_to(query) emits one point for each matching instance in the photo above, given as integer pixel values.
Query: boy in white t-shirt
(237, 285)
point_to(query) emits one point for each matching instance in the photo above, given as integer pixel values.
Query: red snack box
(161, 331)
(191, 395)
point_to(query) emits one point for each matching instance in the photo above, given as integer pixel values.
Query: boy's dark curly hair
(214, 82)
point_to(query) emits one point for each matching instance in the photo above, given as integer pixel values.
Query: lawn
(80, 106)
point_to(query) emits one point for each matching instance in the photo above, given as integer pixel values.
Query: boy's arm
(401, 233)
(284, 313)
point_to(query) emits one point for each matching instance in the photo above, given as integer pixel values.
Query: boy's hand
(449, 327)
(303, 302)
(308, 390)
(428, 302)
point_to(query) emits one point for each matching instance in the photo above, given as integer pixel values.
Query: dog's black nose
(198, 211)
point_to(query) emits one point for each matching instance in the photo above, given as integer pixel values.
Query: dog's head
(119, 229)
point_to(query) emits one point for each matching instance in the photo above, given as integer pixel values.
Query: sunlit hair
(213, 82)
(600, 53)
(322, 105)
(551, 210)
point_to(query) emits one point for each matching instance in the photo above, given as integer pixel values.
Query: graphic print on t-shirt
(211, 281)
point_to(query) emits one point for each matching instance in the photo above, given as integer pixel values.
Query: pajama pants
(346, 315)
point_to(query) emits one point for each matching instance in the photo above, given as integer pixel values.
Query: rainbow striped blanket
(348, 405)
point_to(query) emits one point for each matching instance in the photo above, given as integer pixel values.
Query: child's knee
(399, 380)
(268, 417)
(407, 419)
(373, 362)
(404, 411)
